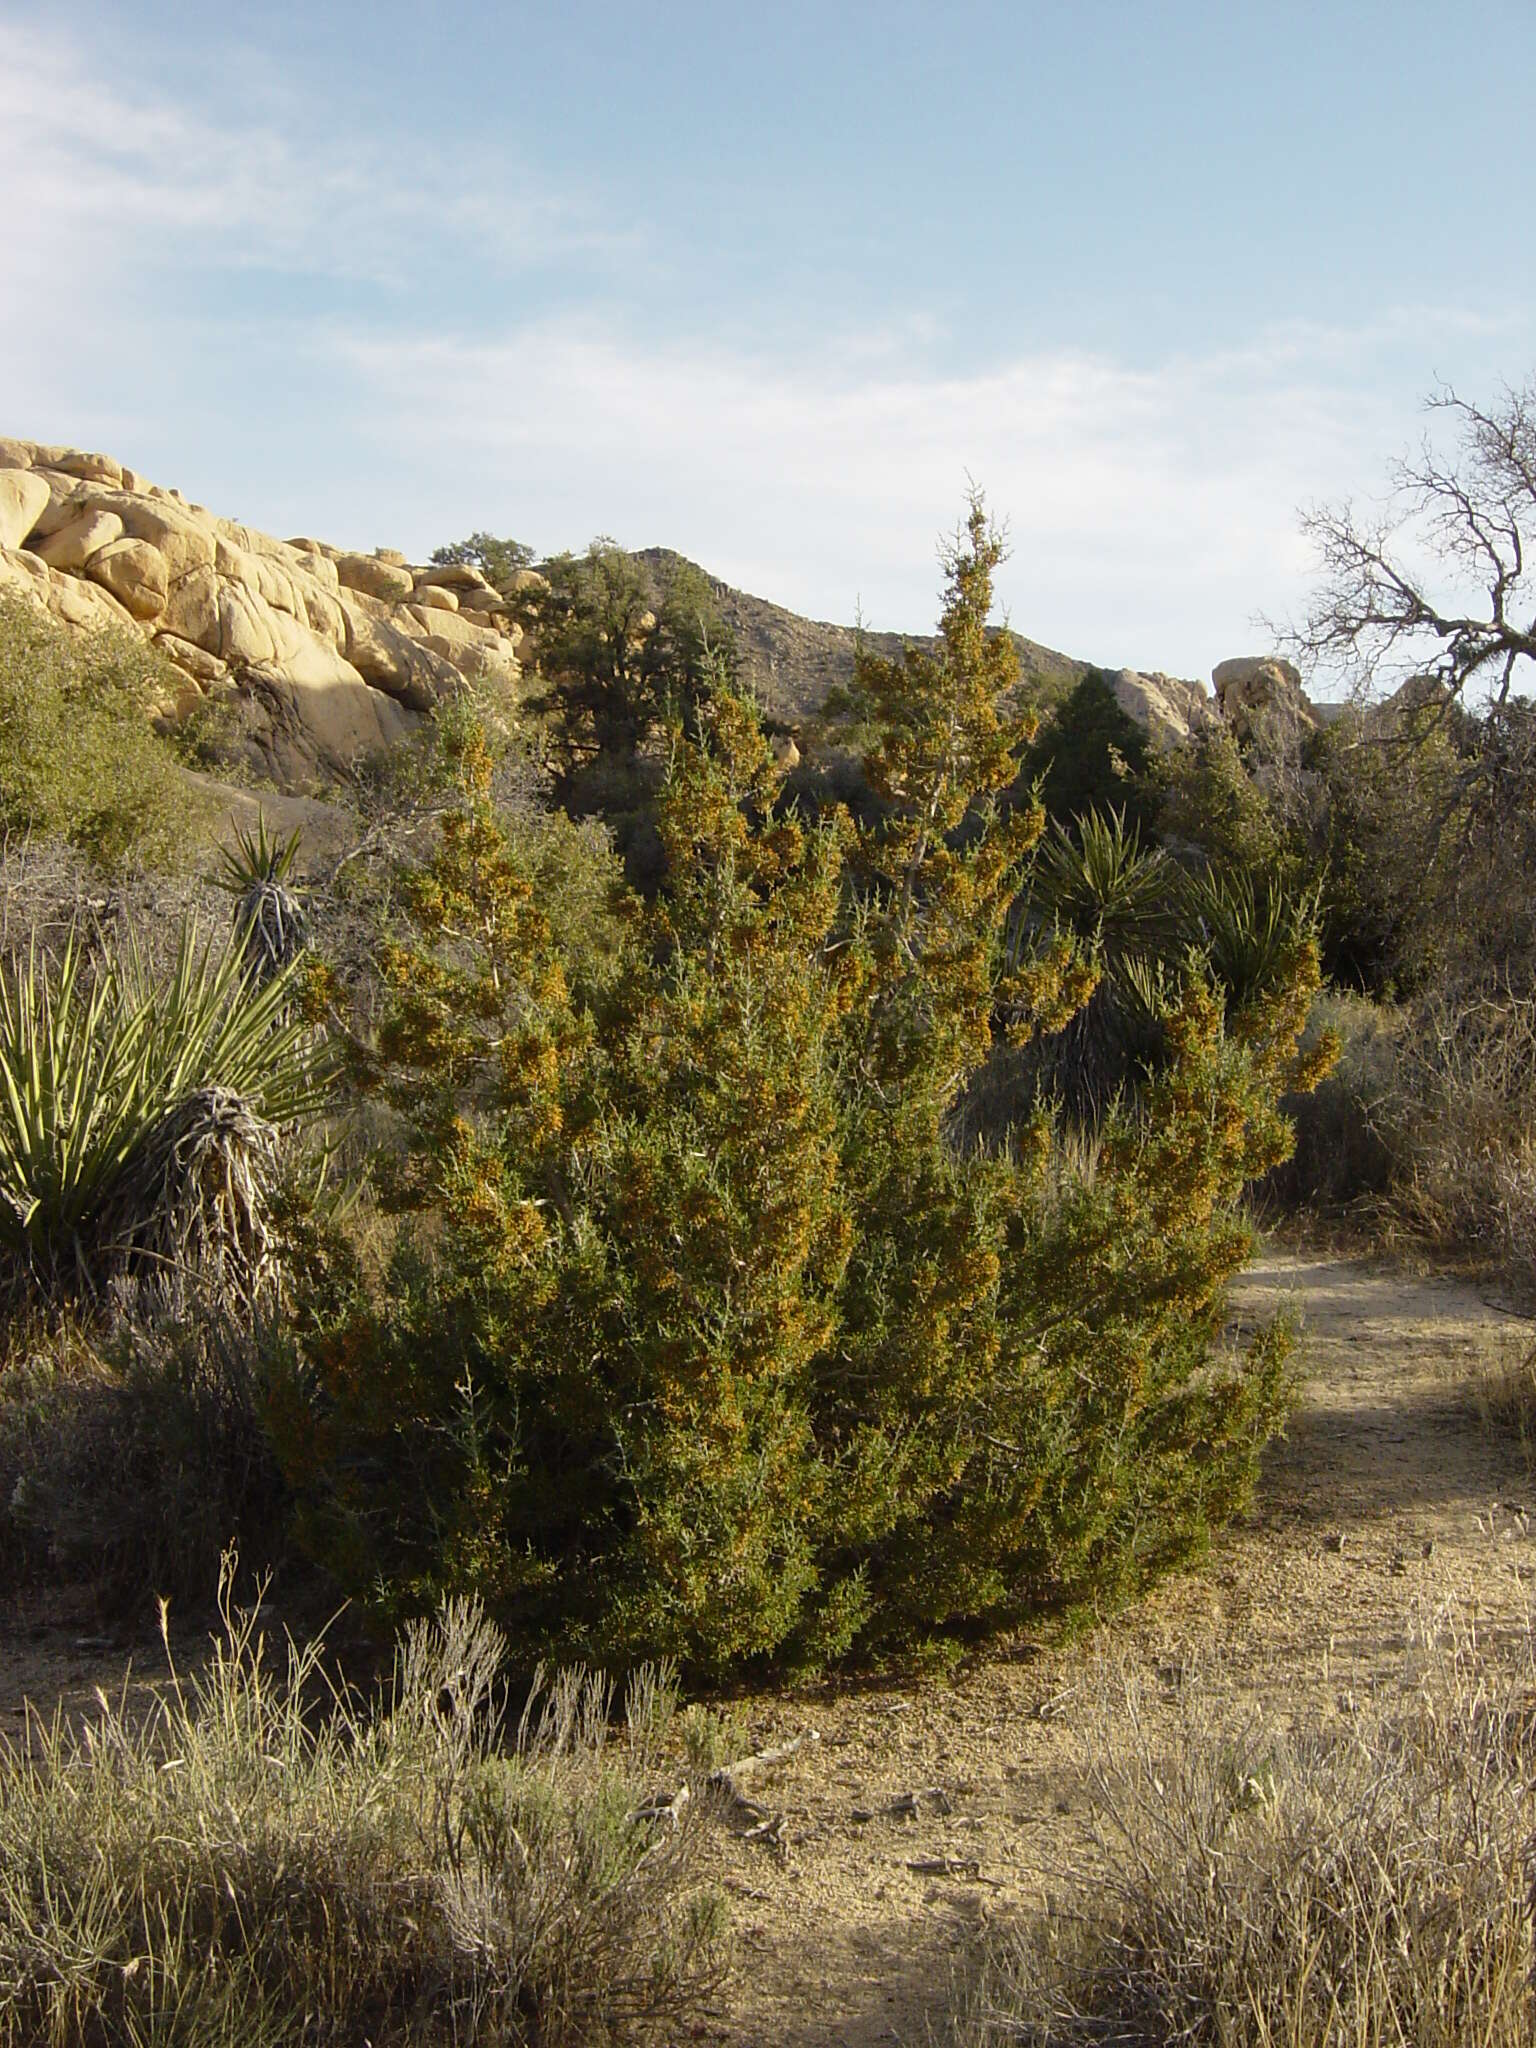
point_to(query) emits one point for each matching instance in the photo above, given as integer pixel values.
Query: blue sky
(768, 283)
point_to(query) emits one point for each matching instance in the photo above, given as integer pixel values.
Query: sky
(773, 285)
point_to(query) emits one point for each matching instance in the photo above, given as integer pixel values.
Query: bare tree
(1436, 587)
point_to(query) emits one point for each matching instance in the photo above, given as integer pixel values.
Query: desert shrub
(1210, 802)
(703, 1335)
(1342, 1158)
(1459, 1121)
(1090, 755)
(140, 1118)
(625, 650)
(1507, 1398)
(133, 1455)
(1367, 1879)
(79, 760)
(228, 1865)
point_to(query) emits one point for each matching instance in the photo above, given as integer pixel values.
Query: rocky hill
(329, 655)
(791, 663)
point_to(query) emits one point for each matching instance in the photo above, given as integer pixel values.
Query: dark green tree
(625, 655)
(1091, 756)
(497, 560)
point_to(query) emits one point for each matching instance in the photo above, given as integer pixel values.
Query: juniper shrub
(704, 1338)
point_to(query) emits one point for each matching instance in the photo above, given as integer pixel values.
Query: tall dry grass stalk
(1461, 1123)
(1366, 1882)
(255, 1860)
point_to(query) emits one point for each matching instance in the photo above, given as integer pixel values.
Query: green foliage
(1091, 756)
(623, 660)
(251, 1857)
(497, 560)
(121, 1100)
(1212, 803)
(1144, 919)
(79, 760)
(703, 1336)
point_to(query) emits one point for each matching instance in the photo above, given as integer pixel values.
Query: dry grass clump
(1461, 1123)
(1507, 1398)
(1366, 1883)
(134, 1450)
(233, 1866)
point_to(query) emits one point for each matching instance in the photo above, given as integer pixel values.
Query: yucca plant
(139, 1122)
(1105, 885)
(1248, 932)
(271, 922)
(1120, 899)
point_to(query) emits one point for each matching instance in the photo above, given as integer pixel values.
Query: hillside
(320, 655)
(791, 663)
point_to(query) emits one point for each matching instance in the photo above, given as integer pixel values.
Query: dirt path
(1389, 1496)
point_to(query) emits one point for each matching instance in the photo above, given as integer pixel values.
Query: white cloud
(1152, 505)
(104, 177)
(1152, 511)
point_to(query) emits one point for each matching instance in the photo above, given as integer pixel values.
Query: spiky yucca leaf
(1105, 885)
(93, 1064)
(1248, 932)
(270, 920)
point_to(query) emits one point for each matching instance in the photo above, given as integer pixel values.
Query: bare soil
(1389, 1498)
(912, 1814)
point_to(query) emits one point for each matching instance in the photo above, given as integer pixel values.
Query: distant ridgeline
(332, 654)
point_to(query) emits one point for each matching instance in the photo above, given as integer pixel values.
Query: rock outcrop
(1169, 709)
(1261, 699)
(329, 654)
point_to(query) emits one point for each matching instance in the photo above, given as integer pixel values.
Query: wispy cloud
(1152, 501)
(101, 174)
(1152, 510)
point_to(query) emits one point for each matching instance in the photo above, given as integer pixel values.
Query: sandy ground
(919, 1812)
(1390, 1499)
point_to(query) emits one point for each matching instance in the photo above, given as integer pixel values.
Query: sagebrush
(229, 1862)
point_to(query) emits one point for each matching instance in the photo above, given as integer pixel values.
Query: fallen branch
(966, 1867)
(729, 1777)
(662, 1808)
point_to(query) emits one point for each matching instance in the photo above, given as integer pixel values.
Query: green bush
(1090, 755)
(703, 1338)
(234, 1865)
(79, 760)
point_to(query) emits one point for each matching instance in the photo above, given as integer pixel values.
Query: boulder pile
(1261, 699)
(331, 654)
(1169, 709)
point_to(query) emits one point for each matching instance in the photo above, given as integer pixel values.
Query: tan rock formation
(134, 573)
(93, 469)
(451, 576)
(375, 578)
(1261, 698)
(1169, 709)
(332, 653)
(72, 545)
(23, 495)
